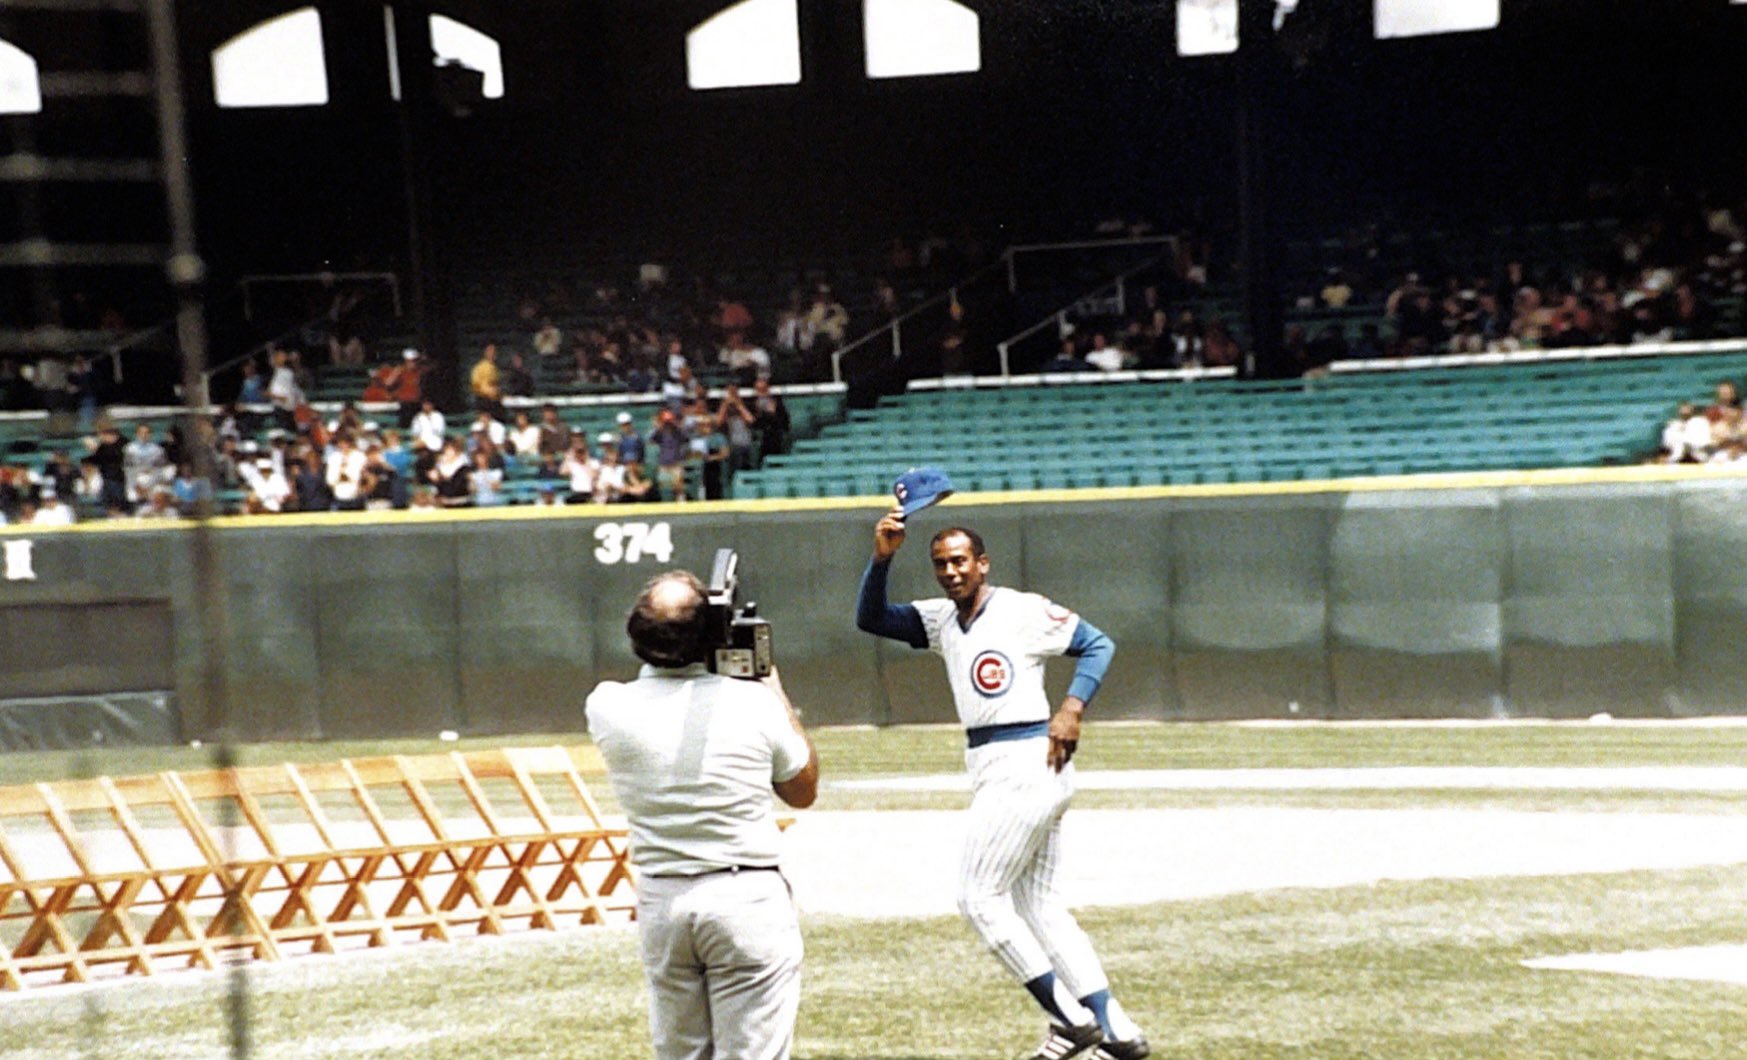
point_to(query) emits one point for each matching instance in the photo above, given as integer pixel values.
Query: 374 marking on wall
(632, 542)
(18, 560)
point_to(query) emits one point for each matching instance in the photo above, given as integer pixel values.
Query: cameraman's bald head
(667, 624)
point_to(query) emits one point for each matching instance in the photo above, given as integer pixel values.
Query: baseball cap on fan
(920, 487)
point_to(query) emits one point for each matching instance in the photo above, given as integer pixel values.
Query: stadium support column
(1258, 65)
(428, 295)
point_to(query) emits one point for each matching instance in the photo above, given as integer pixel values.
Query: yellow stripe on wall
(1577, 476)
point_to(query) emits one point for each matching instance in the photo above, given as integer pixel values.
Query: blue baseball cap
(920, 487)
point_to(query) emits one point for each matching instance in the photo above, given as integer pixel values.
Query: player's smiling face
(959, 570)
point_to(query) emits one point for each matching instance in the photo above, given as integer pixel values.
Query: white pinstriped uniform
(1006, 880)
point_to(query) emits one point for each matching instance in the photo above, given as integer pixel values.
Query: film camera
(737, 639)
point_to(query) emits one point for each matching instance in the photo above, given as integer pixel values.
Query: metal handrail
(1059, 316)
(1012, 253)
(321, 277)
(895, 325)
(1008, 258)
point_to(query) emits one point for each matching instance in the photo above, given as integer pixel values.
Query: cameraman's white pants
(722, 956)
(1006, 878)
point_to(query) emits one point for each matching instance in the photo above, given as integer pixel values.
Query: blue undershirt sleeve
(1094, 649)
(874, 615)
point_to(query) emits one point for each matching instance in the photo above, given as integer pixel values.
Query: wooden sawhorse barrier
(136, 875)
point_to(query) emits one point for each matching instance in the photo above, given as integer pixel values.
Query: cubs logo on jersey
(991, 674)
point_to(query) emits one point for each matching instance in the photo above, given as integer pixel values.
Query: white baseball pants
(722, 956)
(1006, 880)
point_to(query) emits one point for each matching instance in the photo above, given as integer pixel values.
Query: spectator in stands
(60, 474)
(1690, 318)
(744, 360)
(682, 389)
(709, 450)
(189, 490)
(160, 503)
(1067, 358)
(108, 452)
(1222, 349)
(283, 392)
(1105, 357)
(301, 373)
(579, 469)
(253, 389)
(676, 358)
(311, 483)
(487, 428)
(429, 427)
(346, 473)
(517, 380)
(85, 388)
(731, 318)
(485, 481)
(88, 491)
(53, 510)
(786, 336)
(1686, 439)
(450, 476)
(827, 323)
(406, 387)
(770, 418)
(638, 487)
(1727, 403)
(14, 488)
(554, 433)
(1336, 292)
(144, 463)
(1188, 341)
(524, 438)
(347, 419)
(486, 383)
(672, 446)
(609, 476)
(394, 455)
(548, 341)
(628, 442)
(736, 422)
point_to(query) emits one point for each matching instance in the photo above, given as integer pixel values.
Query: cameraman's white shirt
(692, 757)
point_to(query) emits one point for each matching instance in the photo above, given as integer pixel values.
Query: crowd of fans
(1706, 434)
(690, 449)
(1659, 277)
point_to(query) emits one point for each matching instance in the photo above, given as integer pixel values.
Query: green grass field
(1427, 969)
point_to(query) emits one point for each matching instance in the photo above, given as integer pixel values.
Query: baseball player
(994, 642)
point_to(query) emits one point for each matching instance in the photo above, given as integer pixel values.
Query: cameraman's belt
(1013, 730)
(735, 869)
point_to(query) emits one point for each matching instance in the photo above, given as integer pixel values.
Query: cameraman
(693, 758)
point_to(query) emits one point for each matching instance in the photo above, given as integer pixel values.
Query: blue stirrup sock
(1108, 1011)
(1056, 1001)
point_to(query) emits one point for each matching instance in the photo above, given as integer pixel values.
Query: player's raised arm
(888, 536)
(873, 614)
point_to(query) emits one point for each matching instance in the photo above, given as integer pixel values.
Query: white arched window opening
(276, 63)
(1418, 18)
(20, 87)
(915, 38)
(1206, 27)
(458, 42)
(754, 42)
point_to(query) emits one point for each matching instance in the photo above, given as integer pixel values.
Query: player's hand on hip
(889, 535)
(1064, 734)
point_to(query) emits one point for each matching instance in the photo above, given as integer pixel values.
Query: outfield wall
(1553, 594)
